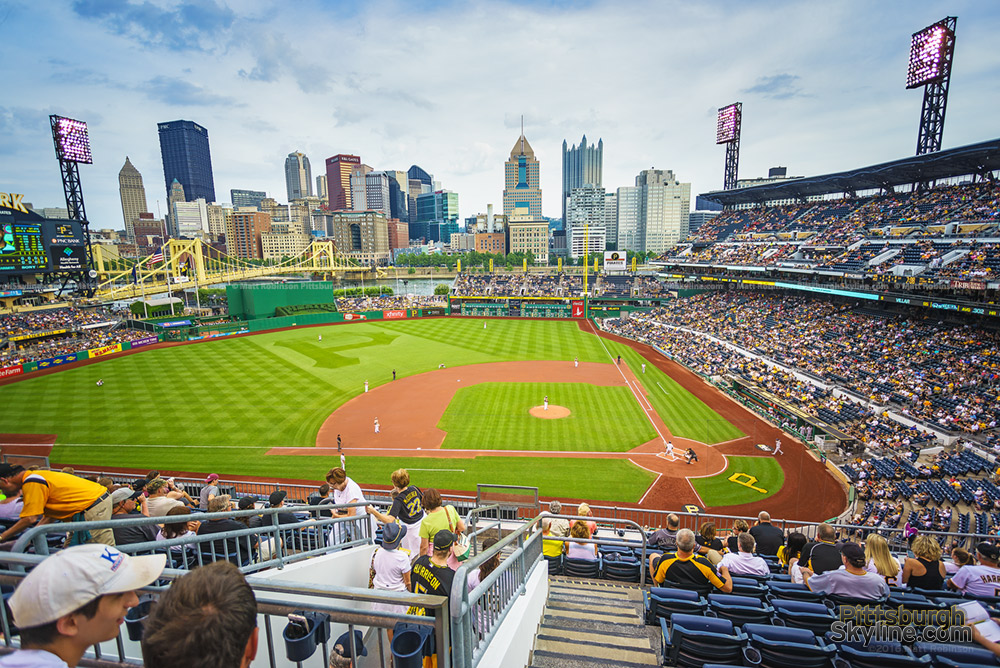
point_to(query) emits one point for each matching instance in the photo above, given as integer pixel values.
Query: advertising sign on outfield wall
(56, 361)
(577, 308)
(149, 340)
(9, 371)
(355, 316)
(105, 350)
(395, 314)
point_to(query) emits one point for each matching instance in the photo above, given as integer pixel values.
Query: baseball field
(515, 402)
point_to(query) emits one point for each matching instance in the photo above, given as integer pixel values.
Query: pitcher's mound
(553, 413)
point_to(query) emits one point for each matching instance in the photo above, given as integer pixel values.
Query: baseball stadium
(712, 456)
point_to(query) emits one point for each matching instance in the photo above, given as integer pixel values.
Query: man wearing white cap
(75, 599)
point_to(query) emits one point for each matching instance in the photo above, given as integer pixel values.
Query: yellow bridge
(191, 263)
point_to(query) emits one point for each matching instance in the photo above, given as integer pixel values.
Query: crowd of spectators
(41, 349)
(69, 318)
(384, 302)
(519, 285)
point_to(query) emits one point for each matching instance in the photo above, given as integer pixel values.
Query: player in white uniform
(545, 403)
(669, 450)
(377, 426)
(777, 447)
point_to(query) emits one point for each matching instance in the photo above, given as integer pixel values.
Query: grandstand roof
(971, 159)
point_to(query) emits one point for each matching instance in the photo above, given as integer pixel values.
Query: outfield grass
(685, 415)
(494, 416)
(718, 490)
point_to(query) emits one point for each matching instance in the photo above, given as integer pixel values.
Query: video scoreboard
(30, 243)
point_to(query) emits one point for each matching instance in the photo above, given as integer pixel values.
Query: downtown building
(362, 236)
(244, 232)
(338, 180)
(243, 199)
(187, 159)
(581, 165)
(298, 176)
(133, 197)
(586, 233)
(522, 193)
(436, 216)
(653, 214)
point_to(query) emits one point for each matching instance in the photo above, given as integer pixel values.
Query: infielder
(377, 426)
(576, 362)
(777, 447)
(545, 403)
(366, 386)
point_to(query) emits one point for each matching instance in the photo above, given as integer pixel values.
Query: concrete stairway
(590, 623)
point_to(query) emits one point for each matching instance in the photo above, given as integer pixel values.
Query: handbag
(460, 550)
(371, 570)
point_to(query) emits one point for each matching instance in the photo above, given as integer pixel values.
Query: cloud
(178, 92)
(777, 87)
(186, 27)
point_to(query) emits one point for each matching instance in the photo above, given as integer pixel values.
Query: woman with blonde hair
(584, 511)
(925, 570)
(739, 526)
(877, 554)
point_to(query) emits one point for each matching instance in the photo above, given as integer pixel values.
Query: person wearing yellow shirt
(52, 496)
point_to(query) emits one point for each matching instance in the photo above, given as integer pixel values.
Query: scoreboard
(30, 243)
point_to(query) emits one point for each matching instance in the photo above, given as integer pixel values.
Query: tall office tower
(245, 198)
(338, 180)
(664, 209)
(321, 188)
(585, 232)
(362, 236)
(611, 219)
(437, 216)
(187, 158)
(581, 165)
(521, 193)
(631, 232)
(243, 234)
(217, 218)
(133, 196)
(419, 183)
(399, 184)
(298, 176)
(190, 218)
(359, 187)
(377, 192)
(177, 194)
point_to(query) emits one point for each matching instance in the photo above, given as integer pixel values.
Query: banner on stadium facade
(614, 261)
(355, 316)
(105, 350)
(175, 323)
(968, 285)
(149, 340)
(577, 311)
(395, 314)
(9, 371)
(38, 335)
(11, 293)
(56, 361)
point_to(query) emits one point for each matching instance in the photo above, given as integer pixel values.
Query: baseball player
(777, 447)
(366, 386)
(377, 426)
(669, 450)
(576, 362)
(545, 403)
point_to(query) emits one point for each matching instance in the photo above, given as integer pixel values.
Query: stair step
(557, 625)
(588, 616)
(623, 642)
(557, 605)
(594, 590)
(546, 659)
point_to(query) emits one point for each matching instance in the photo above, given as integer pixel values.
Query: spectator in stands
(171, 530)
(924, 570)
(431, 574)
(708, 543)
(558, 526)
(739, 526)
(584, 511)
(277, 500)
(982, 579)
(345, 490)
(577, 550)
(179, 494)
(159, 502)
(206, 618)
(551, 548)
(74, 599)
(793, 551)
(237, 549)
(124, 501)
(320, 496)
(407, 508)
(10, 509)
(209, 491)
(959, 557)
(689, 570)
(666, 538)
(56, 496)
(438, 518)
(877, 555)
(853, 580)
(106, 481)
(390, 566)
(768, 537)
(744, 561)
(822, 555)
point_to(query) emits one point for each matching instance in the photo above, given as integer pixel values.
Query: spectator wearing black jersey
(407, 509)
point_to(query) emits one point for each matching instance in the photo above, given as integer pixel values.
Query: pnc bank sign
(13, 201)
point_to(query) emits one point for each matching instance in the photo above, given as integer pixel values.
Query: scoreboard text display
(30, 243)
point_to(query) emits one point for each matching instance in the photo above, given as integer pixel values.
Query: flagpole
(142, 286)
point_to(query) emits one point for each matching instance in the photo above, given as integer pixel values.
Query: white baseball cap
(71, 578)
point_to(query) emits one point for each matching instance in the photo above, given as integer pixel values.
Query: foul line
(439, 470)
(662, 388)
(617, 366)
(696, 495)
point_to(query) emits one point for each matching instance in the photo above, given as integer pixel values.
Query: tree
(441, 289)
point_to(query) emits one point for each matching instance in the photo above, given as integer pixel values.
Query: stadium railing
(276, 598)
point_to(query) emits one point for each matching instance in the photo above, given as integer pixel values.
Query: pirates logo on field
(764, 447)
(690, 508)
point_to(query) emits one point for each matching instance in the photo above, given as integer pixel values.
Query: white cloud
(444, 86)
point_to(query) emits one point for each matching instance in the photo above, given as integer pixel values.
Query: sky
(444, 84)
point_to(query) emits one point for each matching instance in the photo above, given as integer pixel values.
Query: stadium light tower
(931, 52)
(72, 143)
(728, 133)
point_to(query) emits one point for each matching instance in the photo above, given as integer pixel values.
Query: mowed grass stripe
(495, 416)
(685, 415)
(719, 490)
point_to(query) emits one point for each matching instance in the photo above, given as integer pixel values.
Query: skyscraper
(247, 198)
(338, 180)
(420, 182)
(521, 193)
(581, 165)
(664, 209)
(585, 230)
(321, 187)
(187, 158)
(133, 196)
(298, 176)
(176, 195)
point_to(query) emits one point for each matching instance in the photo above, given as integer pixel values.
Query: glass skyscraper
(187, 158)
(521, 193)
(298, 176)
(582, 166)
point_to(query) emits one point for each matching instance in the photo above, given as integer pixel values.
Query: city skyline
(823, 89)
